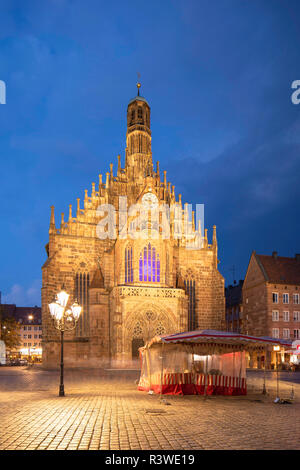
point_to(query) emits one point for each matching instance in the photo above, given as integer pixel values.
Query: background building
(30, 330)
(130, 289)
(234, 307)
(271, 297)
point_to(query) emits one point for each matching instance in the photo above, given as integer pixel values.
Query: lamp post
(276, 349)
(64, 320)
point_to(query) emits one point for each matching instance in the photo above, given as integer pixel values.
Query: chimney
(274, 254)
(297, 257)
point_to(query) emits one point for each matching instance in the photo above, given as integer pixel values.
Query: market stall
(199, 362)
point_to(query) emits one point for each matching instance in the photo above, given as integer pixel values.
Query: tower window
(132, 116)
(140, 113)
(149, 265)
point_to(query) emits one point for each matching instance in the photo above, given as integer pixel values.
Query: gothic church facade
(130, 287)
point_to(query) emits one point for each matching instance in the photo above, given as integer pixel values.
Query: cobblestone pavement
(104, 410)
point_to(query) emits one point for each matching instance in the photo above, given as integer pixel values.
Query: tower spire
(52, 227)
(138, 137)
(138, 84)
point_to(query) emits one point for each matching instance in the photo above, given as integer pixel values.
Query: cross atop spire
(138, 83)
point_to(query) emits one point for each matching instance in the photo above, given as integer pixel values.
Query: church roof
(98, 281)
(139, 98)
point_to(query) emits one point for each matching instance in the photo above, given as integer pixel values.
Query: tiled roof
(279, 269)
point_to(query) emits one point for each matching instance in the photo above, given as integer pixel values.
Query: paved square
(104, 410)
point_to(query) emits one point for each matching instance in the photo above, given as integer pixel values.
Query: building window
(296, 316)
(275, 332)
(275, 297)
(25, 345)
(190, 290)
(25, 336)
(25, 328)
(29, 336)
(140, 113)
(149, 265)
(296, 299)
(128, 265)
(82, 284)
(286, 316)
(29, 328)
(286, 333)
(275, 315)
(285, 298)
(296, 334)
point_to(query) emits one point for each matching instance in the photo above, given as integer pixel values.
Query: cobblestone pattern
(101, 411)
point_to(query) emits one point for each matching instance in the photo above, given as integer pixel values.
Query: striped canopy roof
(219, 337)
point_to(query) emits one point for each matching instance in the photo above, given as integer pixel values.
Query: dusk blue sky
(217, 75)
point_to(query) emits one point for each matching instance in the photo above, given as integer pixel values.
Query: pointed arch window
(128, 265)
(81, 293)
(149, 264)
(190, 290)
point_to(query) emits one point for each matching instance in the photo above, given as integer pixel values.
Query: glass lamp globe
(76, 310)
(63, 298)
(56, 310)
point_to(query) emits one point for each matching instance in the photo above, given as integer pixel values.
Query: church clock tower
(138, 137)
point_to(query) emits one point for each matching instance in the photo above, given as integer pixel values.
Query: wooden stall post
(162, 369)
(264, 392)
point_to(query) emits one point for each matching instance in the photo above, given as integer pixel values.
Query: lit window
(275, 297)
(149, 265)
(285, 298)
(275, 315)
(286, 316)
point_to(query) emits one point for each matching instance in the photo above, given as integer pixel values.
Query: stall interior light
(276, 348)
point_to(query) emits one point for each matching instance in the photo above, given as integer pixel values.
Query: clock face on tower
(150, 200)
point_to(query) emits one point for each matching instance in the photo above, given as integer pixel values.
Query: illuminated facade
(30, 331)
(131, 287)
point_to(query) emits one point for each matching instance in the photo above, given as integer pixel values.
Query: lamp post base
(61, 391)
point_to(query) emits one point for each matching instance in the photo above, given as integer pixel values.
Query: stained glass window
(149, 265)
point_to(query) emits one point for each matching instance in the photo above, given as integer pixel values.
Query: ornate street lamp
(64, 320)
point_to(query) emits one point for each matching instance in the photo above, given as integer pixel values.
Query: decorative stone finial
(52, 227)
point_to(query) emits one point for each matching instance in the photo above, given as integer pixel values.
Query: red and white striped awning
(221, 338)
